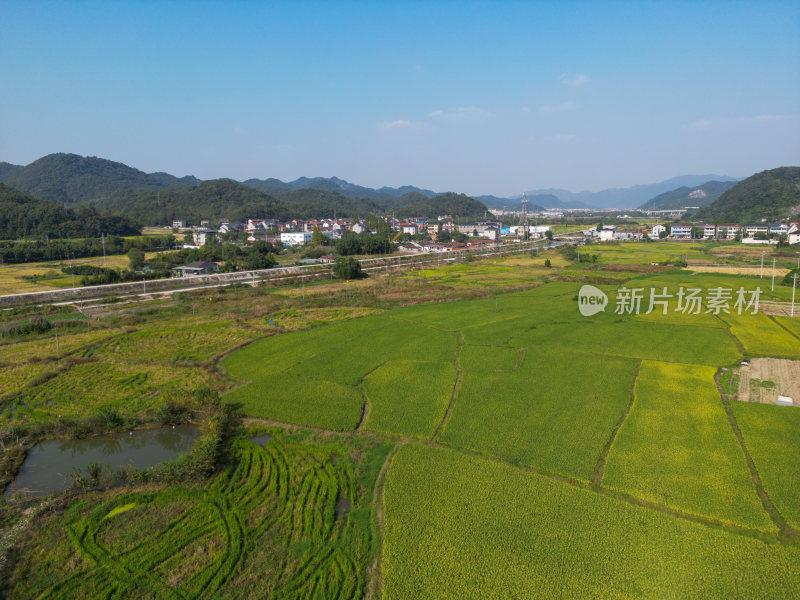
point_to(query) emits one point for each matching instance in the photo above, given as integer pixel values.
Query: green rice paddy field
(499, 447)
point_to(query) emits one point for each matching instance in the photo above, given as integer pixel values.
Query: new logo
(591, 300)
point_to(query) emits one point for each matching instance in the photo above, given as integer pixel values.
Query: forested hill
(679, 198)
(226, 199)
(22, 215)
(772, 194)
(69, 178)
(334, 184)
(214, 199)
(160, 198)
(7, 169)
(455, 205)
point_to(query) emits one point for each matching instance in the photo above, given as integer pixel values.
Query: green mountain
(22, 215)
(160, 198)
(683, 196)
(214, 199)
(773, 194)
(455, 205)
(307, 203)
(69, 178)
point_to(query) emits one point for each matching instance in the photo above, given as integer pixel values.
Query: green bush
(347, 268)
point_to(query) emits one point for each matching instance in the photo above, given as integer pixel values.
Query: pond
(48, 464)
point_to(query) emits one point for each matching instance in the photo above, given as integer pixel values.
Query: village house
(656, 231)
(606, 234)
(728, 232)
(778, 228)
(197, 267)
(709, 231)
(201, 236)
(627, 235)
(681, 230)
(754, 230)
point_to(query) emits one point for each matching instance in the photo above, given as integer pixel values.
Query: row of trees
(20, 251)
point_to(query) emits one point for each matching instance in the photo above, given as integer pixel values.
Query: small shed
(784, 401)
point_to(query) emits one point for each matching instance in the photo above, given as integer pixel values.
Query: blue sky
(465, 96)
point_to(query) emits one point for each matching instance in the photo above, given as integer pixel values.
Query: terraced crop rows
(209, 543)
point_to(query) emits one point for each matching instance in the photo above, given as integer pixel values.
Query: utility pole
(794, 285)
(305, 321)
(103, 237)
(773, 273)
(762, 265)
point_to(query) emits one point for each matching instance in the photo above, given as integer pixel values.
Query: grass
(676, 448)
(459, 526)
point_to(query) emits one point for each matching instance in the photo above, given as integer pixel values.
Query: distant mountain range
(158, 198)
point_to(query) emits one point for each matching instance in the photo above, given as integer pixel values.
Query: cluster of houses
(299, 231)
(758, 233)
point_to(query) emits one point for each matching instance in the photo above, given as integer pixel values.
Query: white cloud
(552, 109)
(726, 122)
(574, 79)
(460, 114)
(398, 124)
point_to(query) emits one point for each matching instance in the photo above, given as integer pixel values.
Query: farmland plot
(677, 448)
(534, 417)
(772, 435)
(176, 344)
(408, 397)
(87, 386)
(760, 335)
(458, 526)
(303, 400)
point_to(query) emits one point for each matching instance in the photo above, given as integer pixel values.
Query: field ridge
(600, 467)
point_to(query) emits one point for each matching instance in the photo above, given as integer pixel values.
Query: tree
(347, 268)
(549, 234)
(547, 263)
(136, 258)
(662, 234)
(348, 244)
(317, 239)
(459, 237)
(443, 237)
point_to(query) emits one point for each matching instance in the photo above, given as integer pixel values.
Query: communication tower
(522, 225)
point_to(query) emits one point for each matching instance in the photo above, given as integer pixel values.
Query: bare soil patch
(765, 378)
